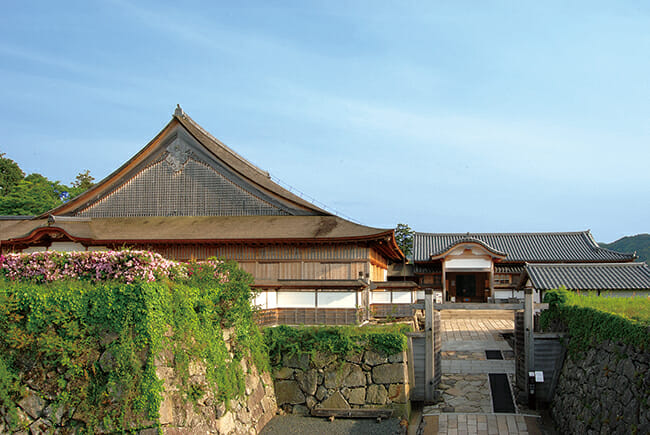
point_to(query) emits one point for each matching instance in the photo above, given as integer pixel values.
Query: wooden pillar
(529, 343)
(429, 359)
(444, 282)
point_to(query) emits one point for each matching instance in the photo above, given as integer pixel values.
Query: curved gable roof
(185, 171)
(463, 240)
(552, 247)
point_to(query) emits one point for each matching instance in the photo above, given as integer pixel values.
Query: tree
(404, 238)
(82, 182)
(33, 195)
(10, 175)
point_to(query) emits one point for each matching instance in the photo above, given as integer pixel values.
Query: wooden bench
(378, 413)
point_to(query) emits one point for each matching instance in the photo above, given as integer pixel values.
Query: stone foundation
(605, 391)
(246, 415)
(36, 413)
(365, 380)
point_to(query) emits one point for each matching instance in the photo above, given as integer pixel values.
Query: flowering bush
(127, 266)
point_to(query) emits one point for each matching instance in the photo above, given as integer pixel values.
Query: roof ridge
(470, 234)
(182, 116)
(597, 264)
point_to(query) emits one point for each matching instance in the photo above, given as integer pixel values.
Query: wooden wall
(274, 262)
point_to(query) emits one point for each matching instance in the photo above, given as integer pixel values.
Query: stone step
(477, 314)
(479, 424)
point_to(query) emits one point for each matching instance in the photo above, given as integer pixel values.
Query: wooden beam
(352, 413)
(529, 343)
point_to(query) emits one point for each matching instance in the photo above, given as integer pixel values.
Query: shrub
(86, 329)
(593, 319)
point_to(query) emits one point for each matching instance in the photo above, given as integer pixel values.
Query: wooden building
(188, 196)
(603, 279)
(484, 267)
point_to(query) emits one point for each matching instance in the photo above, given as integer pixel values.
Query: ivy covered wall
(85, 338)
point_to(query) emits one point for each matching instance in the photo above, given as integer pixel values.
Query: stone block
(256, 397)
(376, 394)
(252, 381)
(283, 373)
(397, 393)
(40, 427)
(388, 374)
(321, 360)
(397, 358)
(107, 361)
(32, 404)
(321, 392)
(297, 361)
(266, 378)
(226, 424)
(334, 375)
(335, 401)
(269, 405)
(311, 402)
(264, 419)
(372, 358)
(55, 415)
(166, 409)
(308, 381)
(289, 392)
(357, 396)
(355, 358)
(355, 377)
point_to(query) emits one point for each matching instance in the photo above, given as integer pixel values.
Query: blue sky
(454, 117)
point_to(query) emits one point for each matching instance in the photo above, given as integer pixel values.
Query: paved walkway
(465, 405)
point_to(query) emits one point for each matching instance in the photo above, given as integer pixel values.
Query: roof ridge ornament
(179, 112)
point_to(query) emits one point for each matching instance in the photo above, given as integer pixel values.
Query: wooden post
(529, 343)
(429, 360)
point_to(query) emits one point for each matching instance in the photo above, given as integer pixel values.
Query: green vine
(284, 340)
(99, 341)
(593, 319)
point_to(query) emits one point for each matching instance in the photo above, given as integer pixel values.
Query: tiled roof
(427, 268)
(507, 268)
(590, 276)
(523, 247)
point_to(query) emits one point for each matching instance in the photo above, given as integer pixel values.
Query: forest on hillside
(628, 244)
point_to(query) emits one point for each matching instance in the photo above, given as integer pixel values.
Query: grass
(637, 308)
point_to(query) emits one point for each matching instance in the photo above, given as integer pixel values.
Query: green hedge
(64, 326)
(339, 340)
(593, 319)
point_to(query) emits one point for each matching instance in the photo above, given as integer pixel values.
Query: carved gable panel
(179, 185)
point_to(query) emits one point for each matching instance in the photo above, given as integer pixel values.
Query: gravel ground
(297, 425)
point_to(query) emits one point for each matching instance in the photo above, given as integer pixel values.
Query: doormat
(501, 395)
(493, 354)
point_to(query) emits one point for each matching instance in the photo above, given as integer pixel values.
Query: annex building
(497, 267)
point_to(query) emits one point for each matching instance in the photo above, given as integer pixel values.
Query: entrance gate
(425, 347)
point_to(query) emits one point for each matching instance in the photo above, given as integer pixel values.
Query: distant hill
(639, 243)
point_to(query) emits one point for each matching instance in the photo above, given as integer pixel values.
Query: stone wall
(605, 390)
(362, 380)
(246, 415)
(37, 415)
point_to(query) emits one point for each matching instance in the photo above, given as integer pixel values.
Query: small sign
(539, 376)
